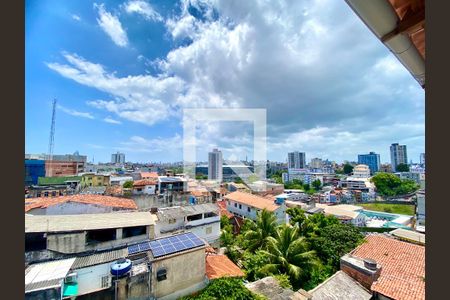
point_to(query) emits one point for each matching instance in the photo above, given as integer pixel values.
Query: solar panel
(144, 246)
(173, 244)
(133, 249)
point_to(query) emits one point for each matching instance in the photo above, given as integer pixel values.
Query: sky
(124, 71)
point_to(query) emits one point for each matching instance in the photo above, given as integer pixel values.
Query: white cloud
(111, 26)
(75, 113)
(111, 121)
(159, 144)
(76, 17)
(143, 8)
(296, 59)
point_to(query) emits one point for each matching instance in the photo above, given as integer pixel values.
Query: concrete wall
(280, 213)
(90, 278)
(73, 208)
(201, 231)
(76, 242)
(184, 270)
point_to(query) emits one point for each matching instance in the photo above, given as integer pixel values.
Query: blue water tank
(121, 267)
(192, 200)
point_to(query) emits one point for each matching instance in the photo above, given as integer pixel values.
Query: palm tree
(265, 227)
(288, 253)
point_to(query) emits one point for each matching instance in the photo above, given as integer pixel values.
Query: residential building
(353, 183)
(63, 168)
(422, 159)
(145, 187)
(91, 179)
(261, 187)
(34, 168)
(345, 213)
(361, 171)
(171, 184)
(296, 160)
(420, 210)
(118, 158)
(54, 190)
(387, 168)
(398, 155)
(119, 180)
(77, 204)
(245, 205)
(201, 219)
(389, 268)
(215, 163)
(372, 160)
(316, 163)
(292, 197)
(72, 234)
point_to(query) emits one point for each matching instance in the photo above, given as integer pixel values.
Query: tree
(334, 241)
(289, 254)
(225, 288)
(348, 169)
(128, 184)
(391, 185)
(257, 236)
(316, 184)
(252, 262)
(306, 187)
(238, 180)
(402, 168)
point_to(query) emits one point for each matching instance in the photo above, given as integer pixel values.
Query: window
(133, 231)
(53, 193)
(240, 206)
(45, 194)
(209, 215)
(209, 230)
(235, 205)
(38, 195)
(161, 274)
(248, 209)
(139, 189)
(194, 217)
(105, 281)
(172, 221)
(100, 235)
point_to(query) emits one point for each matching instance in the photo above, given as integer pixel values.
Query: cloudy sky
(123, 72)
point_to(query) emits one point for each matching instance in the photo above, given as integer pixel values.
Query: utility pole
(51, 139)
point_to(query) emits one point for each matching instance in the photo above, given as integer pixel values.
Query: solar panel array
(168, 245)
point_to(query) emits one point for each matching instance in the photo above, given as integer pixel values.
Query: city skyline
(170, 60)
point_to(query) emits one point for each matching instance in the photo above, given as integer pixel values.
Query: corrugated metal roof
(47, 275)
(42, 285)
(99, 258)
(181, 211)
(61, 223)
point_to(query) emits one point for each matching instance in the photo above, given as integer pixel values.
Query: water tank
(370, 264)
(121, 267)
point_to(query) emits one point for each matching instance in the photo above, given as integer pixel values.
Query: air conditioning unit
(71, 278)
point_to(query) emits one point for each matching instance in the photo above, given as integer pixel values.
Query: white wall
(90, 278)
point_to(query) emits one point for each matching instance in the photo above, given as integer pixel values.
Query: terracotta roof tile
(403, 266)
(223, 209)
(101, 200)
(149, 175)
(218, 266)
(252, 200)
(144, 182)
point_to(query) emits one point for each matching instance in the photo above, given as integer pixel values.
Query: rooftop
(340, 286)
(144, 182)
(403, 266)
(223, 209)
(182, 211)
(101, 200)
(46, 275)
(409, 235)
(99, 258)
(145, 175)
(271, 289)
(218, 266)
(252, 200)
(62, 223)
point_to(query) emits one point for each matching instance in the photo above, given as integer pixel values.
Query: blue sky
(122, 72)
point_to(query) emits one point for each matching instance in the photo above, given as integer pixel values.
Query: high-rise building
(398, 156)
(118, 158)
(296, 160)
(372, 160)
(215, 165)
(422, 159)
(316, 163)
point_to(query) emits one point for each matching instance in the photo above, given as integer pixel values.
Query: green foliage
(252, 263)
(256, 237)
(316, 184)
(225, 288)
(391, 185)
(283, 281)
(295, 184)
(333, 241)
(238, 180)
(402, 168)
(288, 254)
(348, 169)
(128, 184)
(201, 177)
(319, 273)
